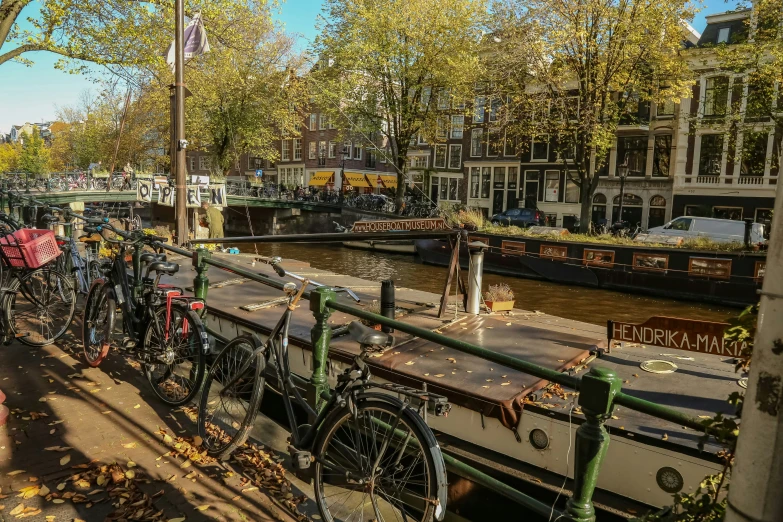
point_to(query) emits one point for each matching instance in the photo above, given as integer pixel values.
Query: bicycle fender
(432, 442)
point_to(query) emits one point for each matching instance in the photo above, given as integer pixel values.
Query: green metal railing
(600, 389)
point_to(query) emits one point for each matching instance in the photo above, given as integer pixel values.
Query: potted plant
(499, 298)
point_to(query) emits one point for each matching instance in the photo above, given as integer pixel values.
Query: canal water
(573, 302)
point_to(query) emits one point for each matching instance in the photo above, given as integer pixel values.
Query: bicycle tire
(98, 319)
(424, 456)
(222, 436)
(168, 383)
(26, 313)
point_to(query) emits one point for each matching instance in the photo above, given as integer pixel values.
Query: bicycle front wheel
(231, 398)
(377, 463)
(177, 359)
(98, 322)
(40, 307)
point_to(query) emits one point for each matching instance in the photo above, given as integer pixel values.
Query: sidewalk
(94, 444)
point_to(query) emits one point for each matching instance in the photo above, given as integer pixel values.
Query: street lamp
(622, 171)
(344, 155)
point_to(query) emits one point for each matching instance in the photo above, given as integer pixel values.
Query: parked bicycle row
(360, 447)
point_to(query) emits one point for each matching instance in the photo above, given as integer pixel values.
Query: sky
(31, 94)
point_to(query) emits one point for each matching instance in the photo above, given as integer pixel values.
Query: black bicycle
(161, 326)
(370, 453)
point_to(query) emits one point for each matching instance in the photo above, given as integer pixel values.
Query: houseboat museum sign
(680, 334)
(400, 224)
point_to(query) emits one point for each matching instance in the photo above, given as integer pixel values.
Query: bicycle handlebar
(274, 262)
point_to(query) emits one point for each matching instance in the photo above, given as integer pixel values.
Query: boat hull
(393, 247)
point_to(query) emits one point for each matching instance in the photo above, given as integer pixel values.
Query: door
(497, 202)
(434, 189)
(512, 197)
(498, 189)
(531, 189)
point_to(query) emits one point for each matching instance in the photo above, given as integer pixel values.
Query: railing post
(321, 337)
(596, 397)
(201, 281)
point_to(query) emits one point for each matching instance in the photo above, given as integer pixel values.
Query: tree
(35, 156)
(9, 156)
(385, 63)
(575, 69)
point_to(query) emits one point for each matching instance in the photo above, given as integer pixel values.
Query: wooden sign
(166, 196)
(400, 224)
(680, 334)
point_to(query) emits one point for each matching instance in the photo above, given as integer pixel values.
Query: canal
(589, 305)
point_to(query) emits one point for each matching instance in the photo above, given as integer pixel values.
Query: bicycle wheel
(178, 359)
(41, 306)
(226, 414)
(98, 317)
(377, 464)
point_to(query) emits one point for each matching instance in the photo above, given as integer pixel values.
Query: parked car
(519, 217)
(719, 230)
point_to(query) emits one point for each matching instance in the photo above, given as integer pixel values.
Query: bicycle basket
(29, 247)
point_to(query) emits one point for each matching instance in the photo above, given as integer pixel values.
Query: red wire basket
(29, 247)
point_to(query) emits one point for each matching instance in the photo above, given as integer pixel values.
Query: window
(552, 186)
(422, 140)
(759, 100)
(419, 162)
(446, 188)
(657, 212)
(709, 267)
(357, 151)
(475, 181)
(322, 121)
(509, 146)
(494, 109)
(662, 155)
(453, 189)
(332, 149)
(723, 34)
(571, 191)
(711, 154)
(313, 119)
(312, 150)
(370, 162)
(285, 151)
(442, 130)
(734, 213)
(558, 253)
(572, 108)
(512, 247)
(457, 124)
(297, 149)
(599, 208)
(426, 94)
(192, 163)
(494, 145)
(665, 109)
(753, 157)
(716, 95)
(455, 156)
(486, 173)
(681, 223)
(321, 153)
(478, 109)
(346, 152)
(444, 99)
(540, 148)
(633, 149)
(476, 136)
(652, 262)
(440, 156)
(594, 257)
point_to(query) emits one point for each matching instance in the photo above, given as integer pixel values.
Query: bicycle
(361, 445)
(162, 327)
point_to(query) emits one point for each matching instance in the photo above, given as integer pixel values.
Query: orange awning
(388, 181)
(356, 180)
(320, 179)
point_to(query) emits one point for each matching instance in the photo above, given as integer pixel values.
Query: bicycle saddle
(365, 335)
(149, 257)
(165, 267)
(91, 238)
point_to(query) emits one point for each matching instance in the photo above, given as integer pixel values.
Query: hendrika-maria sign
(407, 225)
(679, 334)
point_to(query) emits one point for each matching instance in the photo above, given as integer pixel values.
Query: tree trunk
(585, 214)
(400, 195)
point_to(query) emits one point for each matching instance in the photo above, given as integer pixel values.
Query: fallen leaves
(14, 473)
(65, 460)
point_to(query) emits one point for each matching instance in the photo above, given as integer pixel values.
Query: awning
(320, 179)
(356, 180)
(388, 181)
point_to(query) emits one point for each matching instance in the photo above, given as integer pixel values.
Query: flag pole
(178, 147)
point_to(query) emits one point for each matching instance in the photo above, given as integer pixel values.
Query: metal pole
(622, 194)
(757, 477)
(117, 145)
(179, 124)
(475, 276)
(320, 336)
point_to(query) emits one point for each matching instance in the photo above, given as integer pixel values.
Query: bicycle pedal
(128, 344)
(300, 459)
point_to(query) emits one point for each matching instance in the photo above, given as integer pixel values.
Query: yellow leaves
(65, 460)
(14, 473)
(203, 507)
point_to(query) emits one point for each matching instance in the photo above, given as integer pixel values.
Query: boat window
(553, 252)
(761, 267)
(680, 224)
(709, 267)
(599, 257)
(653, 262)
(512, 247)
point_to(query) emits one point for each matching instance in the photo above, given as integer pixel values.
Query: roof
(735, 21)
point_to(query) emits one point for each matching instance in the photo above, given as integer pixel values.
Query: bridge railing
(600, 389)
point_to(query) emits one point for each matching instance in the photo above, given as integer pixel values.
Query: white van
(719, 230)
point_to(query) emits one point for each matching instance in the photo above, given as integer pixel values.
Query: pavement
(94, 444)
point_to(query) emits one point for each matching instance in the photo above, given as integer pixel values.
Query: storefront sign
(194, 196)
(166, 196)
(400, 224)
(679, 334)
(144, 191)
(217, 195)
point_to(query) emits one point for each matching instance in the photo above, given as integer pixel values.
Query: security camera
(183, 144)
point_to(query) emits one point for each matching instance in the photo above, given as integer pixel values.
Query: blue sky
(33, 93)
